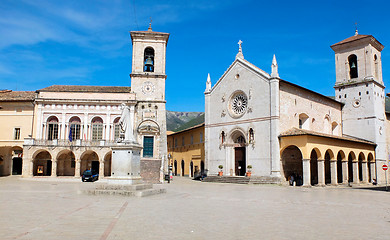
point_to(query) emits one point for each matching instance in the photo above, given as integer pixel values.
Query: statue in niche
(126, 128)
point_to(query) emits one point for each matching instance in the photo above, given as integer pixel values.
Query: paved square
(57, 209)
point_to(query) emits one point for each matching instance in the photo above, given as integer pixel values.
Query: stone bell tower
(360, 87)
(148, 83)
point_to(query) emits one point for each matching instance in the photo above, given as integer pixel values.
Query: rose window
(238, 104)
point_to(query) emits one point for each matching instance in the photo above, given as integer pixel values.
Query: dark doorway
(48, 171)
(339, 168)
(202, 167)
(328, 178)
(95, 166)
(182, 168)
(240, 161)
(192, 169)
(313, 167)
(175, 166)
(17, 163)
(350, 169)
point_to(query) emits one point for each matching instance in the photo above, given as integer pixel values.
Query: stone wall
(150, 170)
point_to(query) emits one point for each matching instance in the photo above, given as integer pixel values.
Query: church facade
(75, 127)
(257, 122)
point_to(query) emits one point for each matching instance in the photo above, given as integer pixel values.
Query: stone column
(321, 171)
(355, 170)
(345, 172)
(373, 170)
(77, 168)
(31, 168)
(365, 172)
(101, 170)
(54, 168)
(333, 172)
(306, 172)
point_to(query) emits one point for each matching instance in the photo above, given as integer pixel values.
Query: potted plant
(249, 172)
(220, 173)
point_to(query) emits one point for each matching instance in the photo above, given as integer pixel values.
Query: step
(128, 187)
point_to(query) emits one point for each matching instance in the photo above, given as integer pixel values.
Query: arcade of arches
(66, 162)
(319, 159)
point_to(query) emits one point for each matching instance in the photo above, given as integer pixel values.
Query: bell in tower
(149, 60)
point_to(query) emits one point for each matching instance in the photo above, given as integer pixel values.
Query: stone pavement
(57, 209)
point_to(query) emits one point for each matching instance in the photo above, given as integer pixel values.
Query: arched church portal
(239, 154)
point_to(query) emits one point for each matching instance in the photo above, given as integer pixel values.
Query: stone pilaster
(306, 172)
(77, 168)
(365, 172)
(54, 168)
(345, 172)
(101, 169)
(321, 172)
(355, 170)
(333, 172)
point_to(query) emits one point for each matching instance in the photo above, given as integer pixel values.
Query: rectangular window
(201, 137)
(16, 133)
(116, 131)
(192, 139)
(148, 146)
(52, 131)
(97, 131)
(175, 142)
(75, 128)
(182, 141)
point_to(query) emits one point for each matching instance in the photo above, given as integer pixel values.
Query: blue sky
(87, 42)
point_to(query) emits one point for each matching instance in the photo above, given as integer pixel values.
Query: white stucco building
(283, 130)
(73, 128)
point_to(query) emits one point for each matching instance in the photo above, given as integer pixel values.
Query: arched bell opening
(353, 66)
(292, 164)
(149, 60)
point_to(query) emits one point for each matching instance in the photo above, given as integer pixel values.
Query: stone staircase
(136, 190)
(242, 180)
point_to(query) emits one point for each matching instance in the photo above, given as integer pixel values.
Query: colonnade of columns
(333, 171)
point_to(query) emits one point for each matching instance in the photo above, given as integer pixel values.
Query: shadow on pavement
(375, 188)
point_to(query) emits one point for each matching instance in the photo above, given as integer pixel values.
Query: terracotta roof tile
(300, 132)
(351, 39)
(9, 95)
(76, 88)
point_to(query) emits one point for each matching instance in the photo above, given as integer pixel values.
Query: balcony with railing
(67, 143)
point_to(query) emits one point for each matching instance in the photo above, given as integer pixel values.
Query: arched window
(97, 128)
(353, 66)
(223, 137)
(251, 135)
(74, 128)
(117, 128)
(376, 67)
(52, 128)
(335, 129)
(149, 60)
(327, 124)
(303, 121)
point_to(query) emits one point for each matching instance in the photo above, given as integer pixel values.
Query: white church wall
(321, 111)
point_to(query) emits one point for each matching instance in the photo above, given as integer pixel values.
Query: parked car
(90, 175)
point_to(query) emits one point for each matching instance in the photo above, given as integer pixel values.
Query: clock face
(148, 88)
